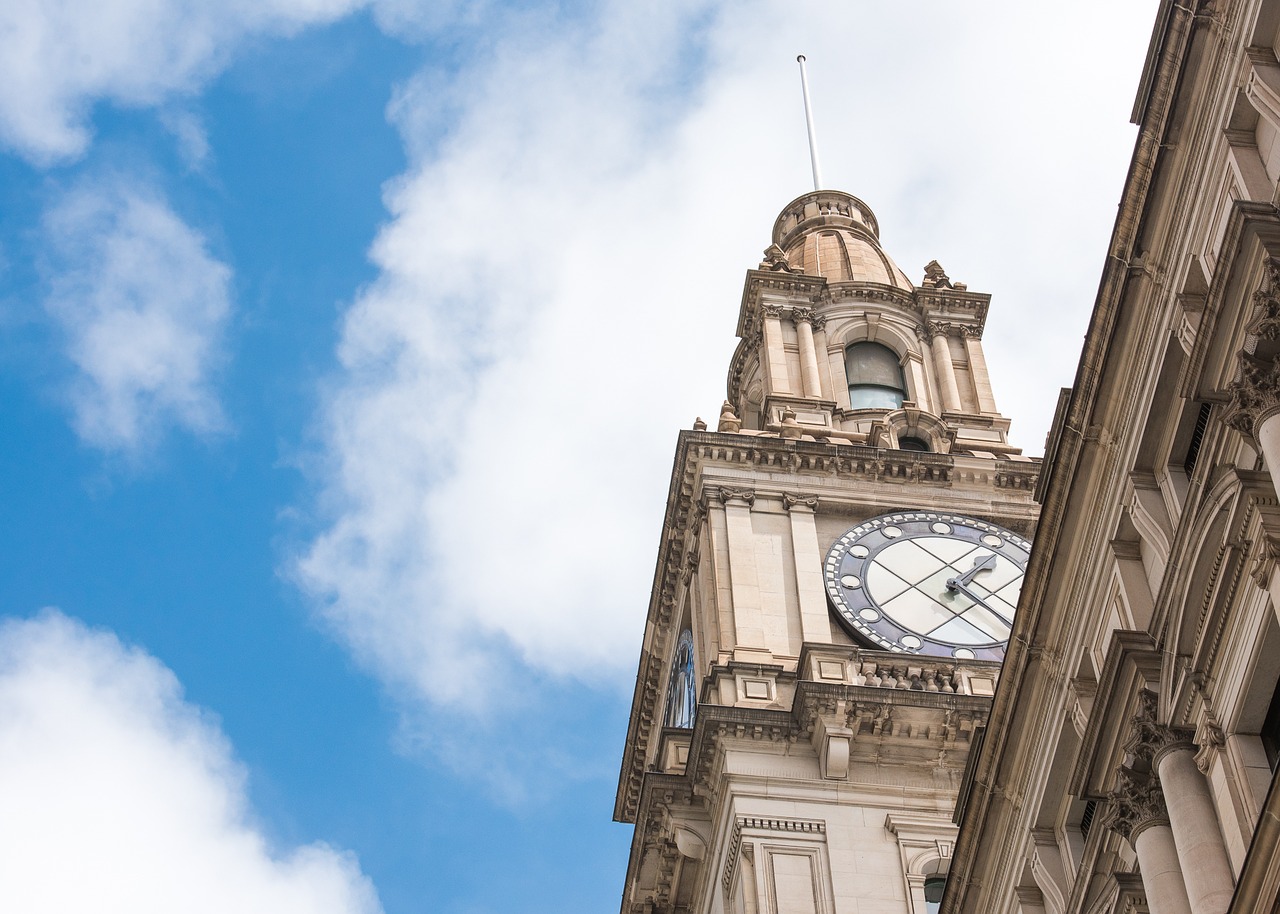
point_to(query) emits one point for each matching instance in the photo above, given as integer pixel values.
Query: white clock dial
(926, 582)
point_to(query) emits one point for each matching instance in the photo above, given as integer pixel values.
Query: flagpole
(808, 120)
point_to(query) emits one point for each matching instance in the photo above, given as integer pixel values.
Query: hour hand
(961, 589)
(979, 564)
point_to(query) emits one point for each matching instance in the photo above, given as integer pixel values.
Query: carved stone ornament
(1137, 803)
(790, 501)
(790, 427)
(1150, 738)
(775, 259)
(771, 310)
(935, 277)
(729, 422)
(938, 328)
(1266, 302)
(1255, 396)
(728, 494)
(802, 314)
(1266, 555)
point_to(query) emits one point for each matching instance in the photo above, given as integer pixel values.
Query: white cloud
(118, 796)
(60, 57)
(560, 281)
(142, 305)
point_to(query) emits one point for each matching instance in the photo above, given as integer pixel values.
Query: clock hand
(979, 564)
(960, 588)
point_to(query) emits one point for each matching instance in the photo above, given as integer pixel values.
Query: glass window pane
(874, 398)
(871, 363)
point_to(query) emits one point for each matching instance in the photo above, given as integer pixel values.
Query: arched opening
(912, 443)
(875, 377)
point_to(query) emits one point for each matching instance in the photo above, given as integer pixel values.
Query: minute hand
(982, 564)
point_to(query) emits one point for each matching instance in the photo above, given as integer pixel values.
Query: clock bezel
(885, 632)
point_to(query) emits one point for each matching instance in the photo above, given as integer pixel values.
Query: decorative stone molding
(790, 501)
(819, 322)
(802, 314)
(757, 823)
(772, 310)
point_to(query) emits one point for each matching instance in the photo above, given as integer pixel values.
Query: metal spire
(808, 120)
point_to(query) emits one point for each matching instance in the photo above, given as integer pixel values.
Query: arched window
(875, 377)
(912, 443)
(934, 886)
(682, 691)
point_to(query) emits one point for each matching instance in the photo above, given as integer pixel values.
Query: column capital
(800, 315)
(1255, 395)
(1137, 803)
(938, 328)
(1150, 739)
(803, 502)
(772, 310)
(746, 496)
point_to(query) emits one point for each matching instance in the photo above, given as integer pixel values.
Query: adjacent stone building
(1129, 760)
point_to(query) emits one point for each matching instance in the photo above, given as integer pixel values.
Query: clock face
(928, 583)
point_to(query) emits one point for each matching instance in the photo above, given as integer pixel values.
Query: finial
(728, 421)
(790, 427)
(808, 120)
(699, 425)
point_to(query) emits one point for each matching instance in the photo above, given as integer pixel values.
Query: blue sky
(343, 351)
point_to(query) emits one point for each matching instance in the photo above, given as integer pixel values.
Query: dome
(833, 234)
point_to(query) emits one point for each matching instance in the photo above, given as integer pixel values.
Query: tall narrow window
(875, 377)
(934, 886)
(682, 691)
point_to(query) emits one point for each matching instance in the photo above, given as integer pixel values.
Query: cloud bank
(118, 796)
(142, 307)
(58, 58)
(560, 277)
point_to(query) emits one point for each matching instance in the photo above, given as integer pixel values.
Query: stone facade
(819, 776)
(1129, 761)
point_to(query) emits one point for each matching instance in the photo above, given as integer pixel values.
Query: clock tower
(838, 571)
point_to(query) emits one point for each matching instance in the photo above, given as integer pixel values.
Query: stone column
(945, 370)
(808, 354)
(1196, 834)
(748, 613)
(1254, 411)
(1140, 816)
(978, 371)
(775, 355)
(814, 624)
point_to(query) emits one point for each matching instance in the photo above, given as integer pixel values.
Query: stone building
(1129, 760)
(837, 575)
